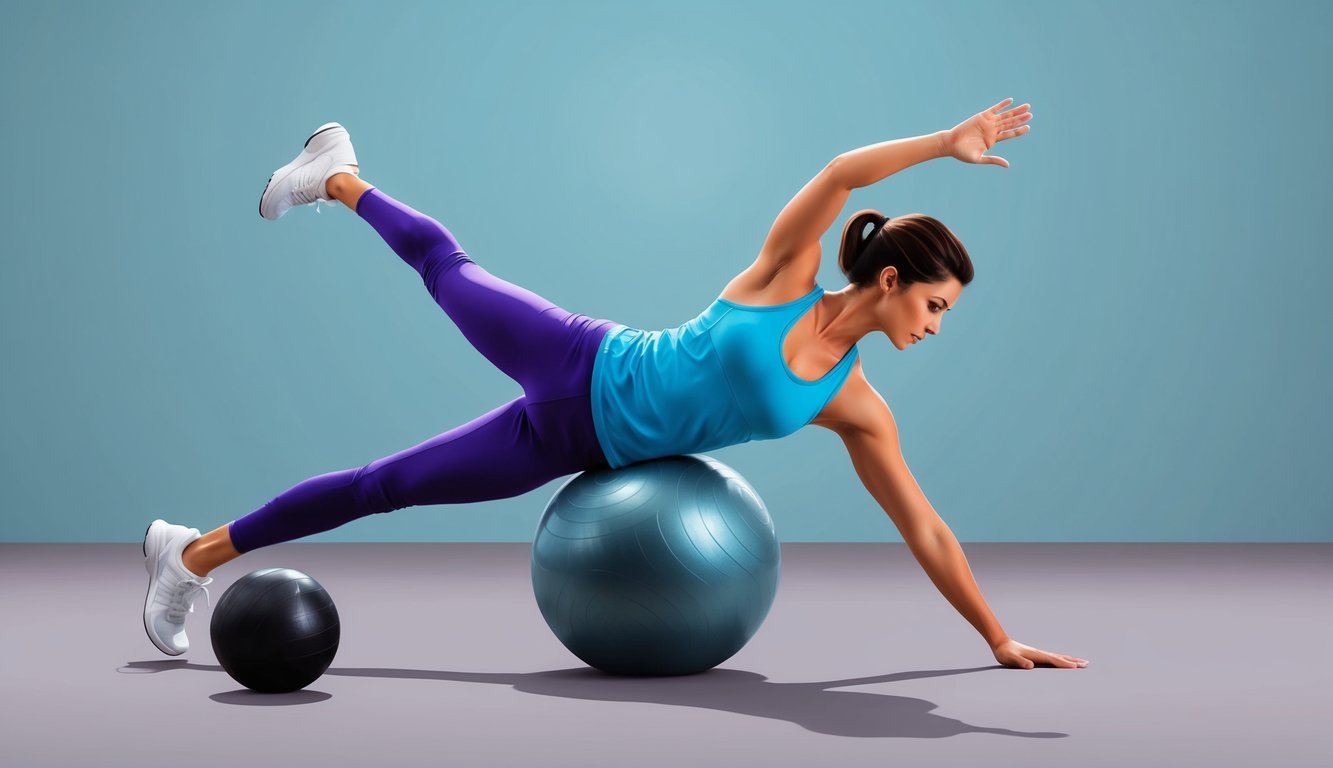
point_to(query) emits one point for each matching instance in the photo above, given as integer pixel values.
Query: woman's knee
(375, 491)
(438, 262)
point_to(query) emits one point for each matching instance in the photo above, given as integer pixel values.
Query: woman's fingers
(996, 108)
(1070, 661)
(1007, 119)
(1012, 124)
(1026, 657)
(1056, 659)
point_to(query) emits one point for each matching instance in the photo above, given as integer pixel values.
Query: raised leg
(528, 337)
(346, 188)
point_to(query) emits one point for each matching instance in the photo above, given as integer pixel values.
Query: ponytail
(920, 247)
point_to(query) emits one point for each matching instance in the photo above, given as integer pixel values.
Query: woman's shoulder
(854, 402)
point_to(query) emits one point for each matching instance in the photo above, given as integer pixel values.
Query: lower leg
(317, 504)
(496, 455)
(346, 188)
(209, 551)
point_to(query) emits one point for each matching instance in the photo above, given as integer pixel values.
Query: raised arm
(794, 238)
(793, 241)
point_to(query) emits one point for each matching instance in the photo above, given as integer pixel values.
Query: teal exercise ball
(664, 567)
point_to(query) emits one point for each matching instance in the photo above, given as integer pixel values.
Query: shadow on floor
(812, 706)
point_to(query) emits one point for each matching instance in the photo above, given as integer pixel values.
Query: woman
(772, 353)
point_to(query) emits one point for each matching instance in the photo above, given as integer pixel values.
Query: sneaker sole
(325, 128)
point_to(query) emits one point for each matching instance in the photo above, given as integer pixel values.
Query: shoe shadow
(814, 706)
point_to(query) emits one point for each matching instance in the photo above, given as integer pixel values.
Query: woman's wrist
(943, 137)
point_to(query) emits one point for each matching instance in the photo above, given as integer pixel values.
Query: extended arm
(944, 562)
(871, 436)
(968, 141)
(879, 463)
(793, 241)
(794, 237)
(871, 165)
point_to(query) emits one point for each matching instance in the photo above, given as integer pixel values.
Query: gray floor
(1202, 654)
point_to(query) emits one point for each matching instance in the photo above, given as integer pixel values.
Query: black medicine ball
(275, 630)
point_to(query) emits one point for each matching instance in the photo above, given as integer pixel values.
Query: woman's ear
(888, 278)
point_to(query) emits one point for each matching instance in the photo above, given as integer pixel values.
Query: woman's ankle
(192, 563)
(345, 187)
(209, 551)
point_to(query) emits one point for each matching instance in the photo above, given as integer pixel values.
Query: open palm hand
(969, 140)
(1019, 656)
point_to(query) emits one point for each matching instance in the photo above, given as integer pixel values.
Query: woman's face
(911, 314)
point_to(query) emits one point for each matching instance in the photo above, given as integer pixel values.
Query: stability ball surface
(664, 567)
(275, 630)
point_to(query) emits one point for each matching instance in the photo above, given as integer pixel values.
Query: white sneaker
(303, 180)
(171, 588)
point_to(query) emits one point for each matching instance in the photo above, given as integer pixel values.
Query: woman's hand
(1019, 656)
(969, 140)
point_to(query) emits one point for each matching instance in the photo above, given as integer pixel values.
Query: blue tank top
(718, 380)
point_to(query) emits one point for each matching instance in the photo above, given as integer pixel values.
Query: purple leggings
(523, 444)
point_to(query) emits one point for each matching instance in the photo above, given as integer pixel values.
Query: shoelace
(180, 603)
(309, 191)
(305, 195)
(300, 200)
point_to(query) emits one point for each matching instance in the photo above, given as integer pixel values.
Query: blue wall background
(1142, 357)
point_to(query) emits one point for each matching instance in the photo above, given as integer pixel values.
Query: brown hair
(922, 249)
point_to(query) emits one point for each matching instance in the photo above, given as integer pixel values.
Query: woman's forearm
(868, 165)
(942, 558)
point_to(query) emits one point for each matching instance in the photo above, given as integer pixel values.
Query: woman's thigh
(505, 452)
(537, 343)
